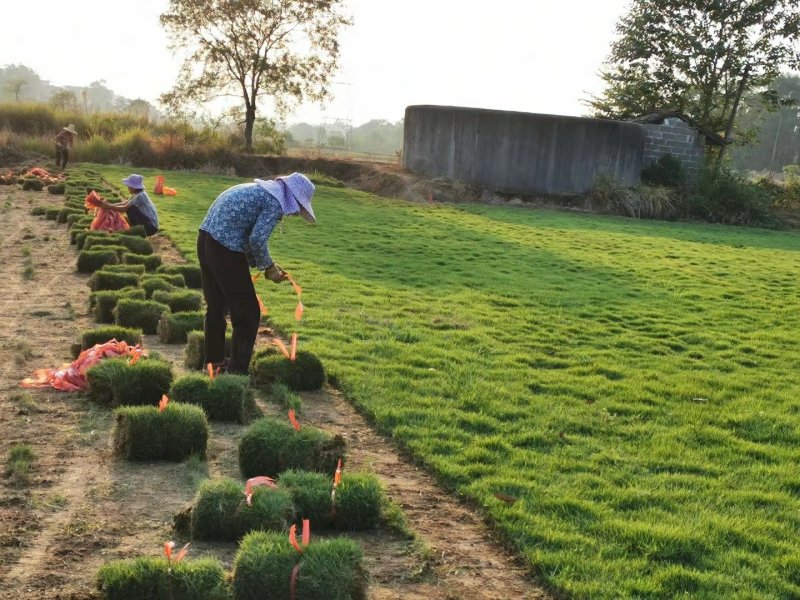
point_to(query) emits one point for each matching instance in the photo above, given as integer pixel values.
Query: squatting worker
(139, 209)
(64, 141)
(232, 239)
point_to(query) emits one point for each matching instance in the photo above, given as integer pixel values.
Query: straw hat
(71, 129)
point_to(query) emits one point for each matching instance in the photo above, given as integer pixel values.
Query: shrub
(151, 262)
(220, 510)
(147, 433)
(723, 196)
(667, 172)
(55, 188)
(38, 211)
(644, 202)
(31, 184)
(101, 335)
(269, 447)
(173, 327)
(311, 495)
(179, 300)
(105, 301)
(194, 353)
(90, 261)
(224, 398)
(330, 569)
(110, 280)
(191, 274)
(359, 498)
(305, 373)
(150, 578)
(118, 383)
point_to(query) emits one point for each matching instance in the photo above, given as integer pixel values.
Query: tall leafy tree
(699, 56)
(286, 50)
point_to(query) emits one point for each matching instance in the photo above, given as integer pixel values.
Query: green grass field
(620, 397)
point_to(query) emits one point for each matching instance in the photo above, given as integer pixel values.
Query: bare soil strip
(82, 507)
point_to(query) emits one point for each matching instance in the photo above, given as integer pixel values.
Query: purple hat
(303, 190)
(134, 181)
(299, 187)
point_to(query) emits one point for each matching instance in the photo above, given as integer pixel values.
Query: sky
(539, 56)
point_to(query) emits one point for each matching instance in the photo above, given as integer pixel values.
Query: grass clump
(152, 283)
(55, 189)
(190, 273)
(311, 495)
(105, 301)
(19, 462)
(135, 230)
(34, 185)
(115, 382)
(112, 280)
(101, 335)
(220, 510)
(144, 314)
(179, 300)
(151, 262)
(90, 261)
(147, 433)
(224, 398)
(359, 499)
(305, 373)
(136, 245)
(51, 212)
(174, 327)
(38, 211)
(330, 569)
(194, 352)
(269, 447)
(125, 268)
(66, 212)
(283, 395)
(149, 578)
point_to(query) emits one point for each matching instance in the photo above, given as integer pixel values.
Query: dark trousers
(227, 286)
(136, 217)
(62, 154)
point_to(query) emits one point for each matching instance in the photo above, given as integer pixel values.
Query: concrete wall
(520, 152)
(675, 136)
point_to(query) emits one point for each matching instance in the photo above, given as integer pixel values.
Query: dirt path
(81, 507)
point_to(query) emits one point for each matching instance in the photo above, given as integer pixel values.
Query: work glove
(275, 273)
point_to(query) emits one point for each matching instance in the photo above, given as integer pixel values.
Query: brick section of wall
(675, 137)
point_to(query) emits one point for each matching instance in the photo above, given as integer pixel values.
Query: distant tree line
(378, 136)
(19, 83)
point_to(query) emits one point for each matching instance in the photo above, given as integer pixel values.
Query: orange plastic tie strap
(337, 477)
(282, 347)
(306, 539)
(293, 419)
(170, 546)
(211, 372)
(298, 290)
(261, 306)
(255, 277)
(162, 405)
(136, 354)
(298, 312)
(293, 353)
(256, 481)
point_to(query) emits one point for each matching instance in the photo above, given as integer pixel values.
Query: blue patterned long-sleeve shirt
(242, 218)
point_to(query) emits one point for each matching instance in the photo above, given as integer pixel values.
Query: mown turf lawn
(634, 386)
